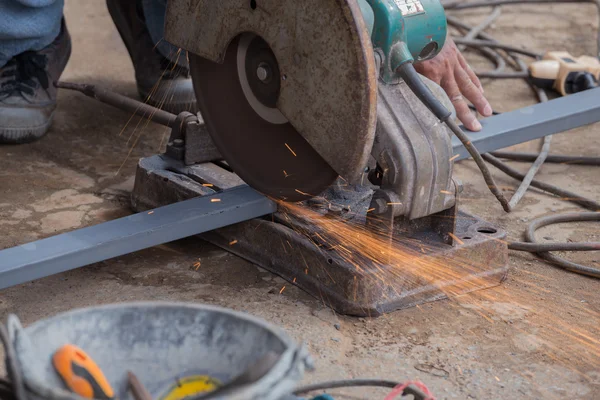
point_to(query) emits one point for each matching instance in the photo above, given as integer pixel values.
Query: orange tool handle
(81, 374)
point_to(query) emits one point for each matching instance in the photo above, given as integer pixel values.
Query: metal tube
(126, 235)
(122, 102)
(523, 125)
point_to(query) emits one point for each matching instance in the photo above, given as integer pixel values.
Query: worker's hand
(450, 70)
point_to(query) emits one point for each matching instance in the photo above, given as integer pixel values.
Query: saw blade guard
(327, 72)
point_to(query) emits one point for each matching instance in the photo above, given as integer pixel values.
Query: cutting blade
(238, 102)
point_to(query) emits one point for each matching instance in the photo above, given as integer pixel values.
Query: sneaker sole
(24, 135)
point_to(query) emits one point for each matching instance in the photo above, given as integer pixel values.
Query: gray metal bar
(126, 235)
(533, 122)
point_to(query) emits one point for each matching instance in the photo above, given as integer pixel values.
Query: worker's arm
(450, 70)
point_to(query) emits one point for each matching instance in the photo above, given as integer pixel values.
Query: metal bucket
(160, 343)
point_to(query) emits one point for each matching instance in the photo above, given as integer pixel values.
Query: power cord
(416, 389)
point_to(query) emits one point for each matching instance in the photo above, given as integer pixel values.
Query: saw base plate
(279, 248)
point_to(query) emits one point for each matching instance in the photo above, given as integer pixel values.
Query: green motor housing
(404, 31)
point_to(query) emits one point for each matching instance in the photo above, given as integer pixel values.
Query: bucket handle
(8, 335)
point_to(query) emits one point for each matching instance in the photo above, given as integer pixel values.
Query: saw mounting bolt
(263, 72)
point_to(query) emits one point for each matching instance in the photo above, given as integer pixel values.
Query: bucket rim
(294, 359)
(281, 334)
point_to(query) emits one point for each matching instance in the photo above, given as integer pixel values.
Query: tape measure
(191, 385)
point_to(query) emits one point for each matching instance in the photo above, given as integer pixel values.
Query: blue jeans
(34, 24)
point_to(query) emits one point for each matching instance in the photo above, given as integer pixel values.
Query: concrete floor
(533, 337)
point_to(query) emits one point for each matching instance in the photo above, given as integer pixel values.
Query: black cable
(477, 29)
(552, 158)
(542, 250)
(478, 158)
(410, 390)
(534, 247)
(564, 194)
(345, 383)
(461, 5)
(501, 75)
(496, 45)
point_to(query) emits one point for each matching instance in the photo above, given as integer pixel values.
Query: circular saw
(289, 90)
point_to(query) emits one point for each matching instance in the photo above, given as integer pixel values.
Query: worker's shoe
(160, 83)
(27, 92)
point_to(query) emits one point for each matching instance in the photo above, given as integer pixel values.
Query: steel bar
(126, 235)
(122, 102)
(523, 125)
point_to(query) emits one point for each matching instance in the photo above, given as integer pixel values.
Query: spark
(233, 242)
(454, 157)
(394, 204)
(294, 281)
(150, 212)
(197, 266)
(282, 289)
(498, 379)
(456, 239)
(302, 193)
(370, 209)
(285, 173)
(445, 192)
(215, 200)
(208, 185)
(290, 149)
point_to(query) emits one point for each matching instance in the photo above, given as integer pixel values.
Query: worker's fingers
(463, 111)
(463, 63)
(472, 92)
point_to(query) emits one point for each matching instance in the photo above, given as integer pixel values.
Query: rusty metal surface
(321, 271)
(328, 88)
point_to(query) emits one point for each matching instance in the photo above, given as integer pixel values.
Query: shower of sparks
(400, 262)
(290, 149)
